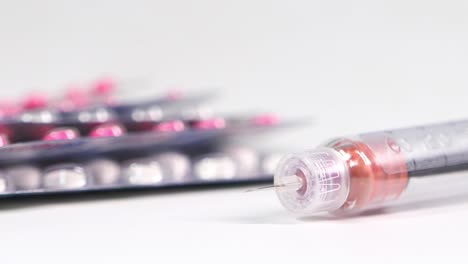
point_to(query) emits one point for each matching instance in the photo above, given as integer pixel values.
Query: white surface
(353, 65)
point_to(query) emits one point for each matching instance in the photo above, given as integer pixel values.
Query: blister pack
(119, 156)
(150, 169)
(159, 142)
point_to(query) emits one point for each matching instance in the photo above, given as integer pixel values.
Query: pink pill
(169, 126)
(214, 123)
(35, 100)
(265, 120)
(108, 130)
(103, 86)
(61, 134)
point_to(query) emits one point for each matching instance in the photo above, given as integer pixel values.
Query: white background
(350, 65)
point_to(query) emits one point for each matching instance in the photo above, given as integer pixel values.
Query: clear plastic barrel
(370, 170)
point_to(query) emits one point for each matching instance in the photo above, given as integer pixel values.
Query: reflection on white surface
(215, 167)
(25, 177)
(3, 183)
(42, 116)
(175, 166)
(103, 171)
(153, 113)
(246, 159)
(270, 162)
(64, 177)
(201, 111)
(95, 115)
(141, 172)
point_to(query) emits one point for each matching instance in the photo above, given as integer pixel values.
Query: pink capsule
(214, 123)
(103, 86)
(61, 134)
(170, 126)
(265, 119)
(35, 100)
(107, 130)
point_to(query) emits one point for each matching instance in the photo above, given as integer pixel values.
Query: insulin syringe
(378, 169)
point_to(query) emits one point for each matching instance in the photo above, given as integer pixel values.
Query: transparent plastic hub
(312, 182)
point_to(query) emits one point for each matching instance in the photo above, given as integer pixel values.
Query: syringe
(372, 170)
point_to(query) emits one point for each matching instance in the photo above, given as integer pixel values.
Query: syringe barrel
(376, 169)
